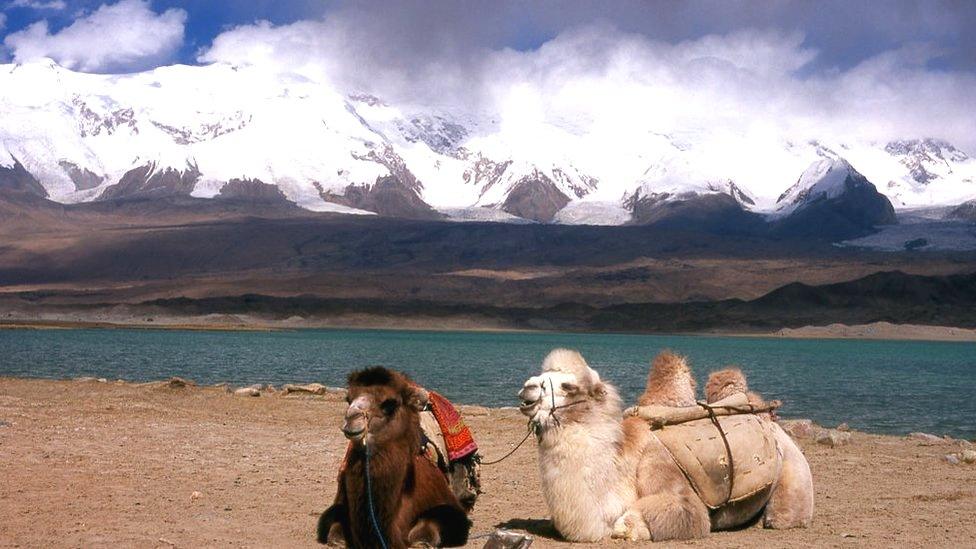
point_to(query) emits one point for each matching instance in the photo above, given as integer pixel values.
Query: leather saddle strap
(728, 448)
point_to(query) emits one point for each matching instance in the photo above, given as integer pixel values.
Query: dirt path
(87, 464)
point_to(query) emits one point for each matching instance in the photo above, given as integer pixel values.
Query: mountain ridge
(191, 130)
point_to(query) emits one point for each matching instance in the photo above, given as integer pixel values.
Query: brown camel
(405, 500)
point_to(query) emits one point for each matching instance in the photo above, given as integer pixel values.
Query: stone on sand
(833, 438)
(926, 439)
(248, 391)
(179, 383)
(799, 428)
(309, 388)
(969, 456)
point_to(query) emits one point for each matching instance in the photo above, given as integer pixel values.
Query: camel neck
(582, 478)
(390, 471)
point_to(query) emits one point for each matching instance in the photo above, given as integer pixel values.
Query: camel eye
(389, 406)
(570, 387)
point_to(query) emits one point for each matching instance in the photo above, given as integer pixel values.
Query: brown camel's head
(383, 406)
(567, 391)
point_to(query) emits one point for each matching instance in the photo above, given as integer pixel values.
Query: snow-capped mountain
(832, 198)
(228, 131)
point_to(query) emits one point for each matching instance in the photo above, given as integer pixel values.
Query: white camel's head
(567, 391)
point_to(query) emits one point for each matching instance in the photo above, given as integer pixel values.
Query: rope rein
(512, 451)
(535, 429)
(369, 494)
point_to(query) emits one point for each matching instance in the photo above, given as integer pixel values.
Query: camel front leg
(330, 527)
(663, 516)
(441, 526)
(667, 507)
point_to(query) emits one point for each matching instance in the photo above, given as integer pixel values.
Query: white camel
(608, 476)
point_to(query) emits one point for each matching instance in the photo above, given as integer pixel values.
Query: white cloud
(38, 4)
(3, 21)
(124, 36)
(757, 83)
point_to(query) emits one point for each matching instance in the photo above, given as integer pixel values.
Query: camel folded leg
(330, 528)
(673, 516)
(441, 526)
(791, 505)
(667, 507)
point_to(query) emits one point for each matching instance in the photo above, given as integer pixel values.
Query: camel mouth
(528, 407)
(353, 435)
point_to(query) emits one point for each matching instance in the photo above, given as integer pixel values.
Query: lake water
(878, 386)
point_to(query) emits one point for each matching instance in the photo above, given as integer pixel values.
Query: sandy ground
(880, 330)
(89, 464)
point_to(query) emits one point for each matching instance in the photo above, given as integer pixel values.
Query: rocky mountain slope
(220, 130)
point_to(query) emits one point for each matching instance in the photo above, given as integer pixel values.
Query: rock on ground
(799, 428)
(833, 437)
(927, 439)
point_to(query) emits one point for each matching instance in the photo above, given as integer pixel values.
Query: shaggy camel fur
(725, 383)
(604, 476)
(411, 499)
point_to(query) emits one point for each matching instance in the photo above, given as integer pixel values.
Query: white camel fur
(608, 476)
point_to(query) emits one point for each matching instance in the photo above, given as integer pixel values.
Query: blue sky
(843, 32)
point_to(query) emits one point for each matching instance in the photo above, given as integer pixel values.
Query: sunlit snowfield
(878, 386)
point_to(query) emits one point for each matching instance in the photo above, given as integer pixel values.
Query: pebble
(195, 495)
(799, 428)
(951, 459)
(179, 383)
(969, 456)
(311, 388)
(247, 391)
(833, 438)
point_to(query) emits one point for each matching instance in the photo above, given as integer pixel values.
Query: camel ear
(416, 397)
(598, 391)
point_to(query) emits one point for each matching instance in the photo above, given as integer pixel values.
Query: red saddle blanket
(457, 436)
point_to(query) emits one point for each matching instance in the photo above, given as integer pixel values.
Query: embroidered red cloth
(460, 442)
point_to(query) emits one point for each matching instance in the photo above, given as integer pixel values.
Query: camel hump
(698, 449)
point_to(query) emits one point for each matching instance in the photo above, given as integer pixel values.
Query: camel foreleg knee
(330, 527)
(441, 526)
(673, 516)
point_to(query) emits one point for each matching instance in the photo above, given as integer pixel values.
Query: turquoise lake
(878, 386)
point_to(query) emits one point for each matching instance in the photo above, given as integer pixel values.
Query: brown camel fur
(411, 500)
(604, 476)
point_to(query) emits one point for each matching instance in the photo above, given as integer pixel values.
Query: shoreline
(877, 331)
(271, 390)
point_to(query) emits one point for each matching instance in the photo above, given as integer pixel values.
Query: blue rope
(369, 499)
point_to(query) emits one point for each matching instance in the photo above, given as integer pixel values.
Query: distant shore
(246, 323)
